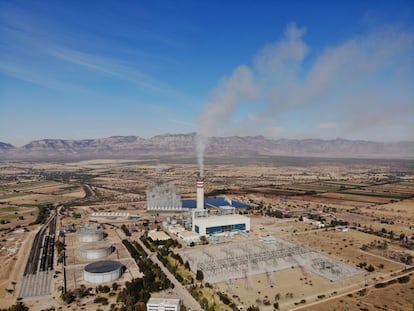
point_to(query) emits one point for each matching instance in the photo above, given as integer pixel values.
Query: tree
(187, 265)
(115, 286)
(20, 306)
(204, 303)
(199, 275)
(68, 297)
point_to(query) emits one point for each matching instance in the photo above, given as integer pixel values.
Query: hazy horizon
(295, 70)
(217, 136)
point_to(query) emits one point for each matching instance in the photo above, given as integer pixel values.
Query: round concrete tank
(90, 233)
(102, 271)
(95, 250)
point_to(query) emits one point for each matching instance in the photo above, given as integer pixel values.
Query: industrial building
(102, 271)
(163, 198)
(163, 304)
(113, 215)
(225, 221)
(189, 236)
(221, 223)
(158, 235)
(213, 203)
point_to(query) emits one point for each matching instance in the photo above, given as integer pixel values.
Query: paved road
(181, 291)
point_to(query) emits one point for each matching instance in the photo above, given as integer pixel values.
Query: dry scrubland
(373, 197)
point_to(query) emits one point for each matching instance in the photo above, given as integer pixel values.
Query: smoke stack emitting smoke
(232, 90)
(242, 85)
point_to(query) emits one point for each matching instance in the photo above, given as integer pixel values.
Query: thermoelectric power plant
(225, 221)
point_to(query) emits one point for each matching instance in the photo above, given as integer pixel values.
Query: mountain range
(184, 145)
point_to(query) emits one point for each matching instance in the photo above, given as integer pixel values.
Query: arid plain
(366, 206)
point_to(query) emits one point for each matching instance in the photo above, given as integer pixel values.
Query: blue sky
(282, 69)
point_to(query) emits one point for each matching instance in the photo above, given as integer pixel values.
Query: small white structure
(163, 304)
(189, 236)
(95, 250)
(158, 235)
(175, 229)
(316, 223)
(102, 271)
(90, 233)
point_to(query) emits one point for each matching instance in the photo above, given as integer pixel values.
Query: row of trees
(44, 212)
(126, 230)
(140, 289)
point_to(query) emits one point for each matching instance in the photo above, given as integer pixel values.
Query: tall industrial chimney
(200, 195)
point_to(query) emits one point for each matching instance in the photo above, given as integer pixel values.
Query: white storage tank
(102, 271)
(90, 233)
(95, 250)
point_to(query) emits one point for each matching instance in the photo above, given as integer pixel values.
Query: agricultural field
(367, 211)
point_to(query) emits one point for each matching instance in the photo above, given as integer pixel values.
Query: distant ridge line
(184, 145)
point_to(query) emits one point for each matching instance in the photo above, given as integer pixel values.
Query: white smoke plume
(342, 90)
(232, 90)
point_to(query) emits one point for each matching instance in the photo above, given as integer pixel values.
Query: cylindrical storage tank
(102, 271)
(173, 222)
(95, 250)
(90, 233)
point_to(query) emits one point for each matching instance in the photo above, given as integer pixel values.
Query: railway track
(38, 273)
(42, 251)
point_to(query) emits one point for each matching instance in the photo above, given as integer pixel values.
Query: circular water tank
(102, 271)
(90, 233)
(173, 222)
(95, 250)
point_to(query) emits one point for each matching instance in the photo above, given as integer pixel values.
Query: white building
(163, 304)
(158, 236)
(175, 229)
(189, 236)
(219, 224)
